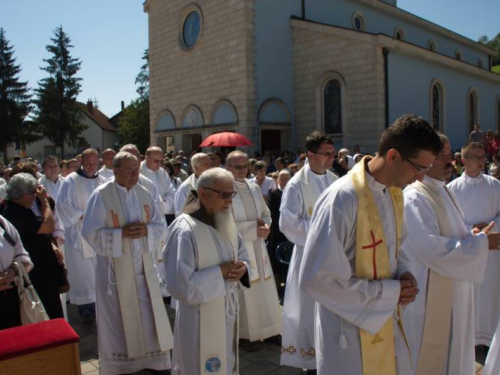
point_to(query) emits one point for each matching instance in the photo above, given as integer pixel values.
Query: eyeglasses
(156, 161)
(419, 168)
(476, 158)
(223, 194)
(327, 154)
(240, 167)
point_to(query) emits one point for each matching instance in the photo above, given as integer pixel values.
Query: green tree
(134, 123)
(494, 44)
(57, 113)
(14, 101)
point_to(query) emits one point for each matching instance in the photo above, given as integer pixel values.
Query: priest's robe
(193, 287)
(52, 188)
(182, 192)
(71, 203)
(479, 199)
(106, 173)
(108, 244)
(344, 303)
(260, 312)
(492, 364)
(161, 180)
(461, 257)
(298, 307)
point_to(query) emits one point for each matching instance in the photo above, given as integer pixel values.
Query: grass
(496, 69)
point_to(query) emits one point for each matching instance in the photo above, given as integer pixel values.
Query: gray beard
(225, 226)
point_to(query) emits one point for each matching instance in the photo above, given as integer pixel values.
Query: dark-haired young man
(299, 198)
(350, 265)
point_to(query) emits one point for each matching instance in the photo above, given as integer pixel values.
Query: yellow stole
(372, 263)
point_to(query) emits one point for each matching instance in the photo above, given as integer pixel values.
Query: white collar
(432, 182)
(473, 180)
(374, 184)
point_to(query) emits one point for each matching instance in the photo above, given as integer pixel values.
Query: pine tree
(14, 101)
(57, 113)
(143, 77)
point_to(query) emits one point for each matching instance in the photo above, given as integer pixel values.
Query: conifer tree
(14, 101)
(57, 113)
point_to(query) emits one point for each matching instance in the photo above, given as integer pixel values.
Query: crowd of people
(394, 268)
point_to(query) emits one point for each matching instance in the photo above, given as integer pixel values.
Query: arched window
(358, 22)
(436, 107)
(432, 45)
(399, 33)
(480, 63)
(458, 55)
(472, 110)
(332, 107)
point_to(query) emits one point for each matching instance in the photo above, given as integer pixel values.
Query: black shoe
(250, 346)
(274, 340)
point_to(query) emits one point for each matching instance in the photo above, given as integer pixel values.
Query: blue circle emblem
(212, 364)
(191, 29)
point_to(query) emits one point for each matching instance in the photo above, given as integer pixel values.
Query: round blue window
(191, 29)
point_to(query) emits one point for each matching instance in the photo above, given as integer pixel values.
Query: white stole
(309, 191)
(438, 310)
(161, 177)
(82, 199)
(213, 344)
(125, 280)
(240, 215)
(192, 181)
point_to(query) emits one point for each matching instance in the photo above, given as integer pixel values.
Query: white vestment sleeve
(106, 242)
(67, 205)
(327, 275)
(157, 230)
(294, 223)
(169, 196)
(450, 257)
(184, 281)
(180, 198)
(58, 227)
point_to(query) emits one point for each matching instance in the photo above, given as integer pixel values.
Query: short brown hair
(316, 139)
(49, 158)
(470, 146)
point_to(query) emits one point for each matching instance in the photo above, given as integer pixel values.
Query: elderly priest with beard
(207, 263)
(124, 226)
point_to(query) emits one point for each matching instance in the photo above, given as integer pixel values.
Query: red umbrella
(226, 139)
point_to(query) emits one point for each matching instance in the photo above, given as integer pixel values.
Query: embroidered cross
(373, 246)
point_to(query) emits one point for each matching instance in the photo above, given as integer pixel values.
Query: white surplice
(267, 185)
(492, 364)
(71, 207)
(162, 181)
(182, 192)
(298, 306)
(462, 258)
(479, 199)
(108, 243)
(260, 310)
(51, 187)
(193, 287)
(106, 173)
(344, 303)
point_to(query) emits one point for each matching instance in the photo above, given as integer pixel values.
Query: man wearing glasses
(297, 206)
(446, 259)
(260, 313)
(350, 266)
(479, 197)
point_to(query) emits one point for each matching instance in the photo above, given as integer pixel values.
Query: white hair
(123, 155)
(209, 178)
(344, 152)
(284, 171)
(196, 159)
(19, 184)
(234, 155)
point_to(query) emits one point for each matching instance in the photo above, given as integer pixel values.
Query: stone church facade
(275, 70)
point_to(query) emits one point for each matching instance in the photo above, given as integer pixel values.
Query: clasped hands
(262, 229)
(409, 289)
(135, 230)
(233, 270)
(493, 237)
(7, 279)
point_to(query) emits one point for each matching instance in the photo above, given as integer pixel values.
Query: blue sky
(110, 37)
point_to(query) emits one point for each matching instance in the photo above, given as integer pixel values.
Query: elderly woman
(35, 233)
(11, 249)
(265, 183)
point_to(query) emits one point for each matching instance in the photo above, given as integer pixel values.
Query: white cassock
(298, 306)
(51, 187)
(492, 364)
(182, 192)
(71, 203)
(479, 199)
(461, 257)
(344, 303)
(260, 310)
(267, 185)
(106, 173)
(162, 181)
(108, 244)
(193, 287)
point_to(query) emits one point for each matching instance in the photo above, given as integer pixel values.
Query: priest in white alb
(446, 259)
(107, 160)
(51, 179)
(124, 227)
(200, 162)
(479, 197)
(260, 313)
(206, 264)
(80, 257)
(350, 264)
(297, 204)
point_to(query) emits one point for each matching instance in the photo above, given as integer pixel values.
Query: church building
(275, 70)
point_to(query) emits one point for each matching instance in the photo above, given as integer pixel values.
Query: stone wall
(220, 66)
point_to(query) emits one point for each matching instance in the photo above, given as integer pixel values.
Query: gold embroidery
(291, 349)
(309, 353)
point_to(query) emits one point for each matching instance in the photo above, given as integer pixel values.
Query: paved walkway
(264, 361)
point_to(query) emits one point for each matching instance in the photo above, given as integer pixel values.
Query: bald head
(200, 162)
(132, 149)
(107, 157)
